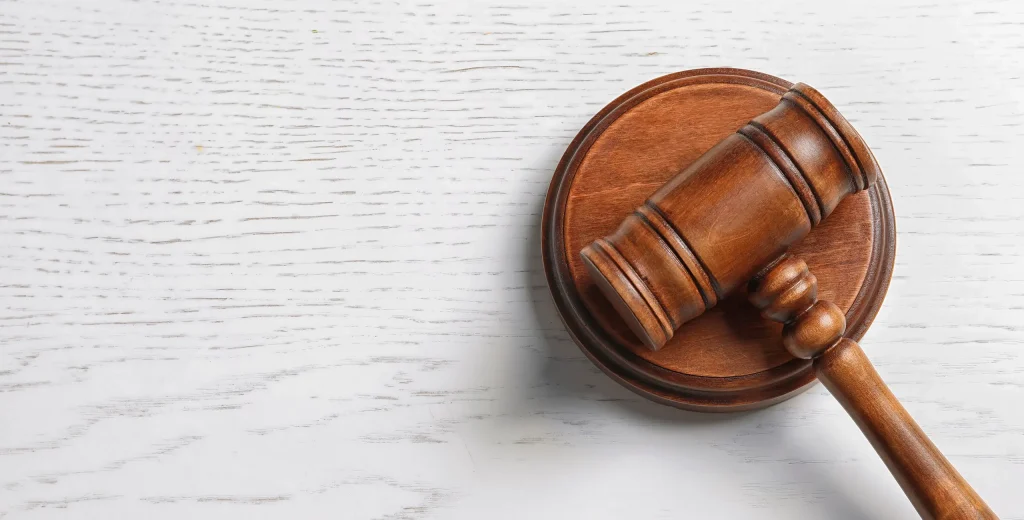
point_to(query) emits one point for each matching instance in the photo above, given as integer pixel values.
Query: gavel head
(730, 214)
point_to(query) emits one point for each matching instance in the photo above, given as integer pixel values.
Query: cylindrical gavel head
(731, 213)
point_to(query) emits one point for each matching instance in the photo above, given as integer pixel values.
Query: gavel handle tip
(929, 480)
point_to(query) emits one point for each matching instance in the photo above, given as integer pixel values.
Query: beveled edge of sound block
(686, 391)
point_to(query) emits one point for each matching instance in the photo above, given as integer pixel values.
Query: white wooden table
(280, 259)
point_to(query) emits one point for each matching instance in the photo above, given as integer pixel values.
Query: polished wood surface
(728, 358)
(933, 485)
(733, 211)
(729, 218)
(814, 330)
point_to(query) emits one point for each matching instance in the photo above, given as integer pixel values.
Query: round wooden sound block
(729, 358)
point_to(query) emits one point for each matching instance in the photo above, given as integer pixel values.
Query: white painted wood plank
(281, 258)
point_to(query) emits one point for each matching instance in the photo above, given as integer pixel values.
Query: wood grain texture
(932, 484)
(814, 330)
(728, 359)
(281, 258)
(728, 214)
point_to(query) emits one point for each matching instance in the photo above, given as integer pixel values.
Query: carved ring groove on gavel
(735, 210)
(728, 220)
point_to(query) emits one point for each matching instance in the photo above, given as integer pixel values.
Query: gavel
(727, 221)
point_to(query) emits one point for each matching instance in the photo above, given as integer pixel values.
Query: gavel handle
(814, 329)
(931, 483)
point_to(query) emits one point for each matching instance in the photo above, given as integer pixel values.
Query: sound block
(729, 358)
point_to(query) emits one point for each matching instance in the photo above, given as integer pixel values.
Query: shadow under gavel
(728, 220)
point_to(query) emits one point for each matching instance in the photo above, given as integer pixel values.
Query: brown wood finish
(734, 210)
(727, 221)
(728, 358)
(814, 330)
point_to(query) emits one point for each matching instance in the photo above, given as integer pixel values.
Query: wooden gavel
(728, 220)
